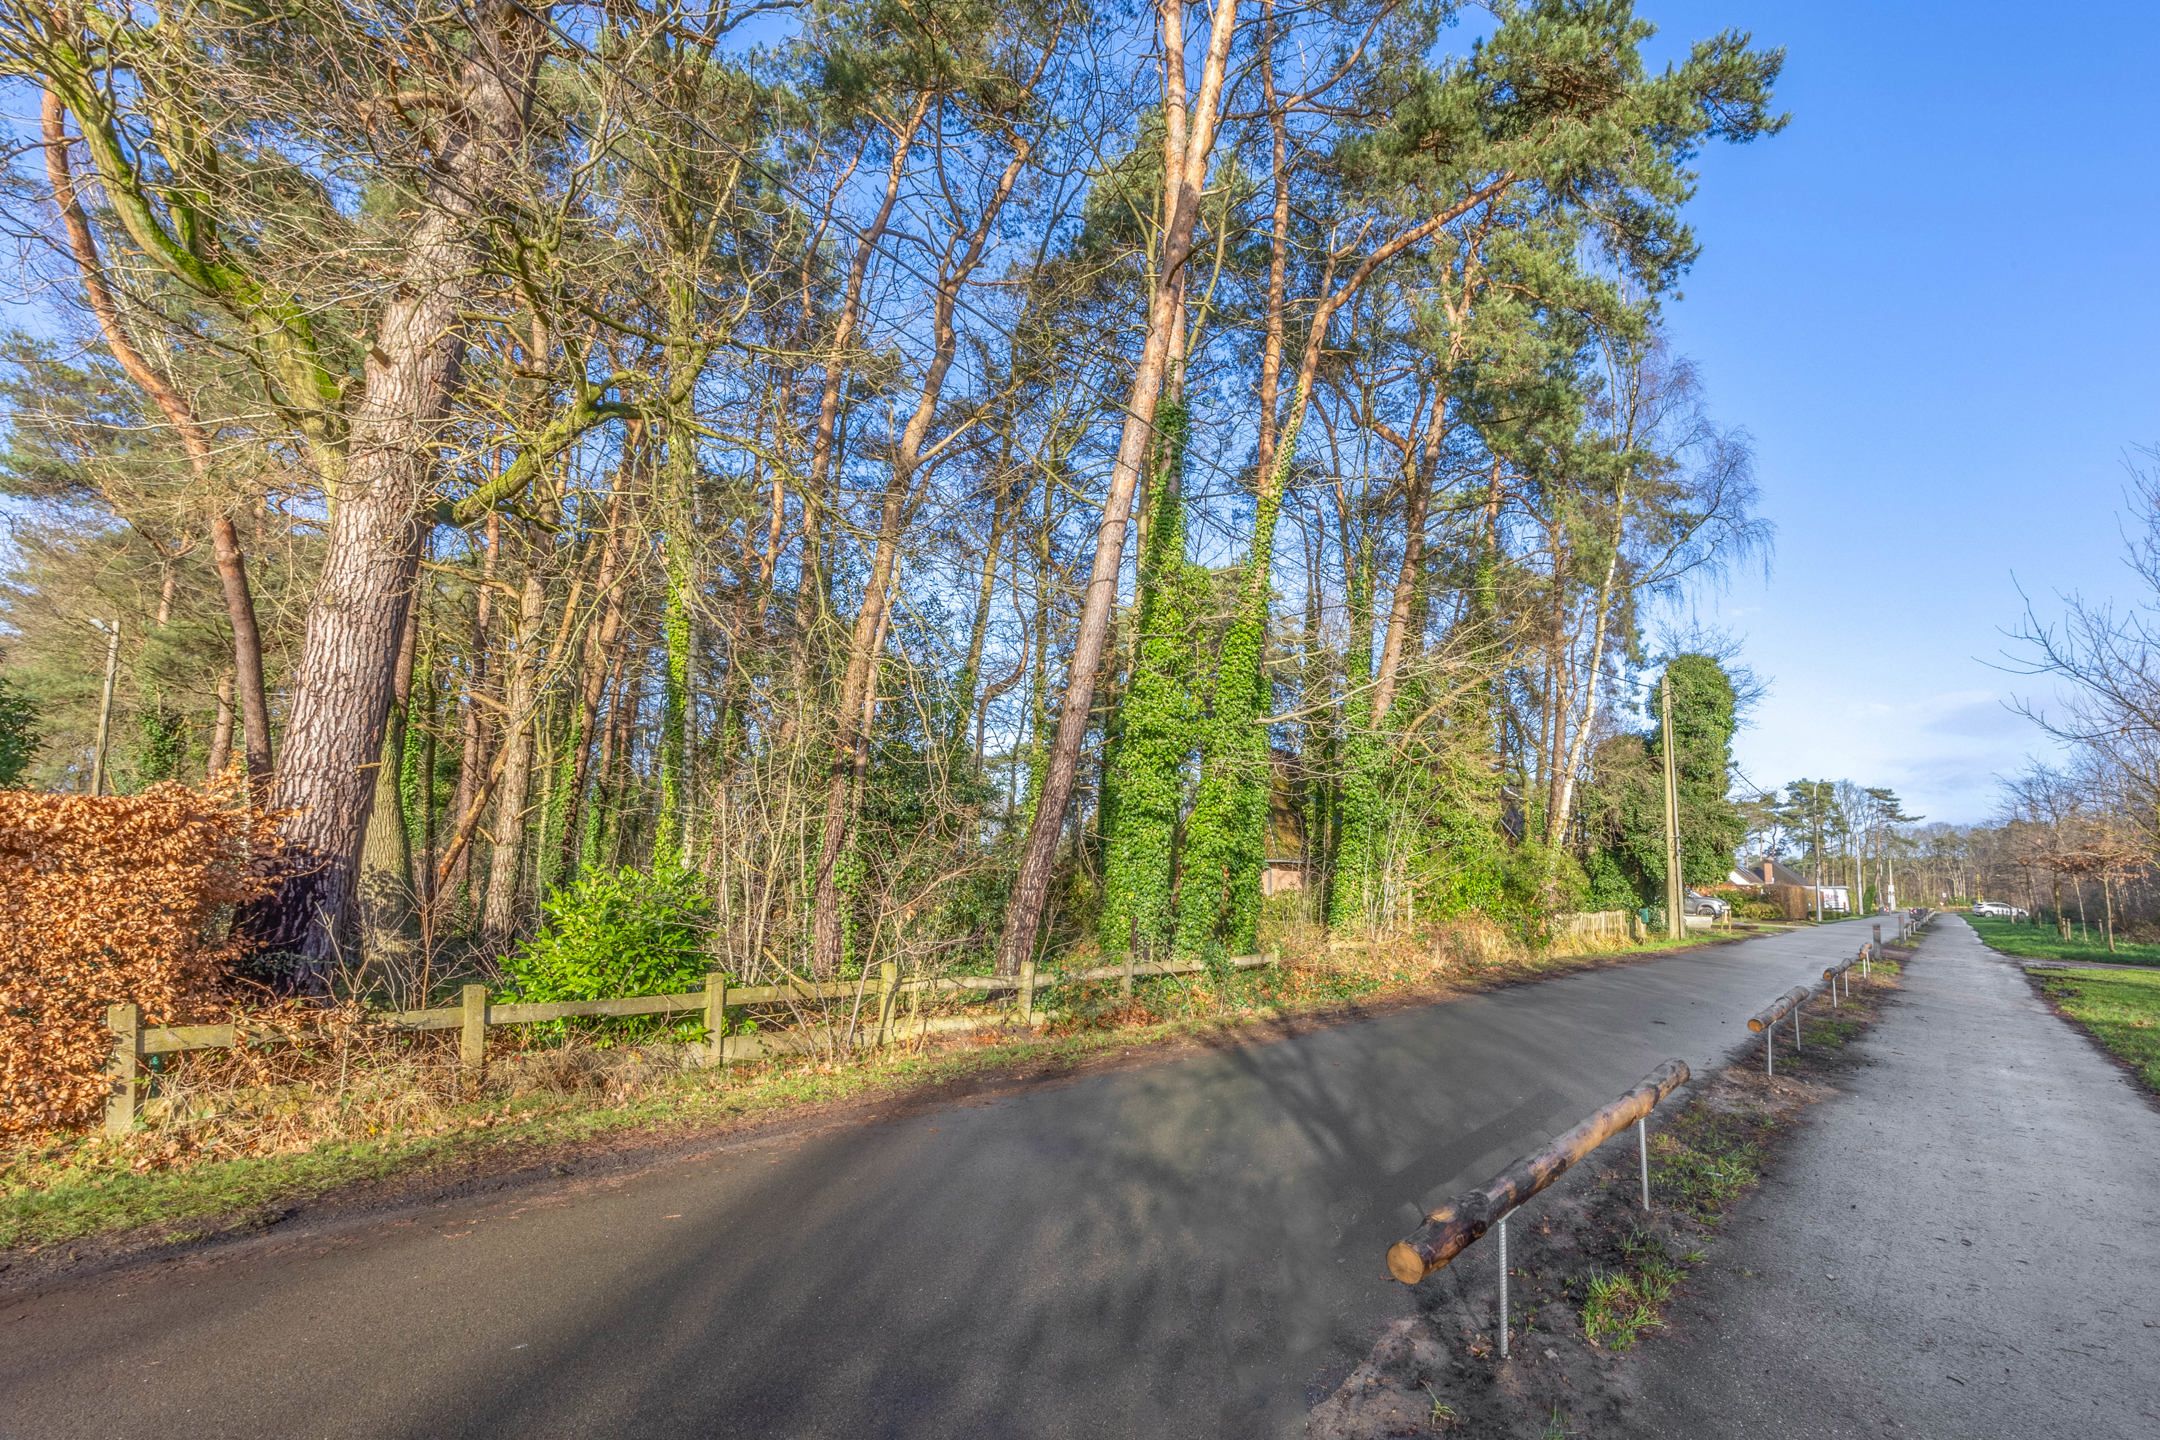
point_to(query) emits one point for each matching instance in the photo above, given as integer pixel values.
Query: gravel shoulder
(1965, 1246)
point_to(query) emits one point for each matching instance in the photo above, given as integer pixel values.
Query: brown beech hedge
(107, 900)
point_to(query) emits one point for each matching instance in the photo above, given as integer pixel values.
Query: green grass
(2121, 1009)
(1705, 1160)
(2040, 942)
(1618, 1306)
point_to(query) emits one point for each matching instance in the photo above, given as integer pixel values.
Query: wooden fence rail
(1453, 1228)
(1450, 1230)
(475, 1013)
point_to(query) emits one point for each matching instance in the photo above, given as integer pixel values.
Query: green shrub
(616, 933)
(1756, 907)
(18, 732)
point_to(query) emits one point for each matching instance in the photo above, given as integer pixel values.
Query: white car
(1998, 910)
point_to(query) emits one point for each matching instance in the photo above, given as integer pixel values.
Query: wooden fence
(874, 1009)
(1598, 926)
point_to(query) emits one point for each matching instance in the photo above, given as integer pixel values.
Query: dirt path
(1968, 1246)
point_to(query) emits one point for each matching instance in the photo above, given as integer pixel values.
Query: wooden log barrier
(1777, 1009)
(1448, 1231)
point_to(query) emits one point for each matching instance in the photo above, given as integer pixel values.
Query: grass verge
(2119, 1008)
(2041, 942)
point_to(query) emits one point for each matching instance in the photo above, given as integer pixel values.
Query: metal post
(1642, 1140)
(1675, 883)
(1503, 1288)
(1769, 1059)
(1796, 1029)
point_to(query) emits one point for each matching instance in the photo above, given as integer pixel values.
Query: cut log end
(1405, 1264)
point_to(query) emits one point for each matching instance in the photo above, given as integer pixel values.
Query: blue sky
(1934, 304)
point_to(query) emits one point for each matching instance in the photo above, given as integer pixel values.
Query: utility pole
(1675, 917)
(1816, 801)
(104, 714)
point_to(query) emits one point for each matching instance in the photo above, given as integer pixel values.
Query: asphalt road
(1964, 1248)
(1188, 1248)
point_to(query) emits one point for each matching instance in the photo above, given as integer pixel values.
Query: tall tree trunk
(1564, 802)
(383, 900)
(964, 690)
(1417, 506)
(473, 709)
(341, 687)
(593, 665)
(678, 718)
(1188, 141)
(499, 918)
(811, 599)
(221, 730)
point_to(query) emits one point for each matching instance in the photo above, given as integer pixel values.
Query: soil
(1439, 1372)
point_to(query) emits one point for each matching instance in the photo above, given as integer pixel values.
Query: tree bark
(599, 650)
(221, 730)
(499, 917)
(472, 719)
(341, 687)
(384, 903)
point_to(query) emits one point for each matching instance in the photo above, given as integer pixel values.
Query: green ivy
(1226, 836)
(1144, 774)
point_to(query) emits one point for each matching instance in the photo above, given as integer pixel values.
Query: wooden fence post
(716, 1016)
(1125, 983)
(888, 993)
(472, 1042)
(125, 1023)
(1027, 991)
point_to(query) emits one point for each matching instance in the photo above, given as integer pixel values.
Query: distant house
(1773, 879)
(1767, 871)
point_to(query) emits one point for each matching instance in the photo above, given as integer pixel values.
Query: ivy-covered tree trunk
(670, 847)
(1144, 778)
(1226, 837)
